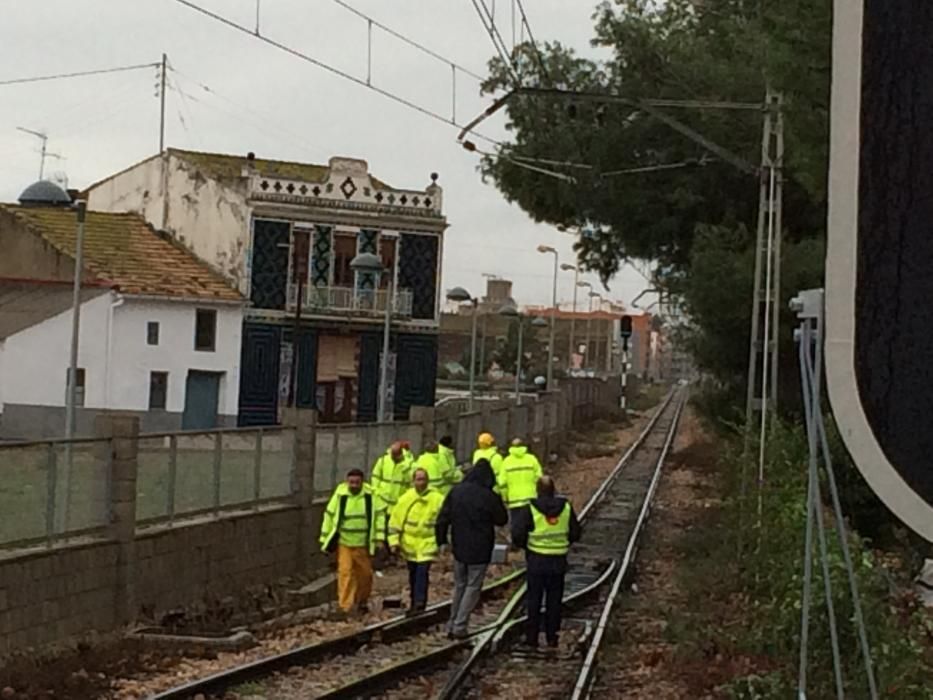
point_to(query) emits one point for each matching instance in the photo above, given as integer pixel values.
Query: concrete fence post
(426, 415)
(123, 433)
(305, 423)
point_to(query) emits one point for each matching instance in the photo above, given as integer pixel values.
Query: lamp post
(550, 346)
(566, 267)
(460, 295)
(586, 354)
(72, 397)
(596, 295)
(370, 262)
(511, 311)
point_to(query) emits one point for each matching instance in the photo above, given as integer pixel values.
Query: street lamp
(550, 346)
(511, 311)
(372, 263)
(460, 295)
(566, 267)
(596, 295)
(586, 354)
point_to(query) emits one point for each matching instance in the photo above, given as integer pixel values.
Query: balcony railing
(348, 300)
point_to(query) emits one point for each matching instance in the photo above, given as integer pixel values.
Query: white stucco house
(159, 336)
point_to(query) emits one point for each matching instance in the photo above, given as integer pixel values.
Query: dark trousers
(418, 582)
(547, 587)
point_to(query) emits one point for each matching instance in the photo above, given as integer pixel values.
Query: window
(152, 333)
(158, 390)
(344, 252)
(387, 253)
(79, 393)
(205, 330)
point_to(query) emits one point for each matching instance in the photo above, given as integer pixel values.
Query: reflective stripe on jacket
(518, 477)
(551, 535)
(391, 479)
(412, 525)
(345, 519)
(442, 474)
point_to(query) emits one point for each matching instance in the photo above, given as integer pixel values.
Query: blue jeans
(418, 582)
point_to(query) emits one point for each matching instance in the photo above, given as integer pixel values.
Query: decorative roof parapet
(348, 185)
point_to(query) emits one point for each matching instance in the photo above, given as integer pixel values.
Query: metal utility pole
(383, 406)
(72, 397)
(576, 279)
(301, 244)
(162, 77)
(761, 391)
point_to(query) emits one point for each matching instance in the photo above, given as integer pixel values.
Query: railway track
(412, 658)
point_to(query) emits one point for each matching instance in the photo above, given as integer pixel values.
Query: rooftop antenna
(44, 138)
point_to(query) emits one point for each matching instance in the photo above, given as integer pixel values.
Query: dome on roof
(44, 194)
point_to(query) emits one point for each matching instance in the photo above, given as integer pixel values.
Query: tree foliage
(695, 214)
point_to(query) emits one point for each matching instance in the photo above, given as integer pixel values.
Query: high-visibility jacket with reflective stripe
(491, 454)
(411, 527)
(442, 474)
(391, 479)
(550, 536)
(518, 477)
(345, 519)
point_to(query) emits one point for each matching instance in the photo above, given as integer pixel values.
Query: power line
(489, 24)
(534, 44)
(410, 42)
(78, 74)
(330, 69)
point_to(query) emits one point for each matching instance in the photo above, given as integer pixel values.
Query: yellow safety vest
(353, 520)
(391, 479)
(518, 477)
(442, 475)
(411, 527)
(492, 455)
(551, 536)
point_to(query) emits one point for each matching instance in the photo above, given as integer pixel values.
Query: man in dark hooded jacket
(471, 512)
(545, 528)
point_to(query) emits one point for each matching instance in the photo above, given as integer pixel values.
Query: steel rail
(395, 627)
(399, 627)
(585, 677)
(493, 640)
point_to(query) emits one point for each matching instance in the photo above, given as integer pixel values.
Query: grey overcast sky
(261, 99)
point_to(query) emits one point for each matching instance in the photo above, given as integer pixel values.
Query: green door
(202, 392)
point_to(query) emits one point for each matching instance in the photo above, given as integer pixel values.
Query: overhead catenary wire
(329, 68)
(409, 41)
(77, 74)
(490, 26)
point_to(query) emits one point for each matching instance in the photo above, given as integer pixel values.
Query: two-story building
(262, 223)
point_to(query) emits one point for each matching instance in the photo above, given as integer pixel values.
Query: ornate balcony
(346, 300)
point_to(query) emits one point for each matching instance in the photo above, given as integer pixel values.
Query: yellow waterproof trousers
(354, 576)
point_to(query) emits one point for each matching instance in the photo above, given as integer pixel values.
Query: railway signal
(625, 330)
(879, 339)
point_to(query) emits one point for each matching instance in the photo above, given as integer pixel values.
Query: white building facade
(160, 333)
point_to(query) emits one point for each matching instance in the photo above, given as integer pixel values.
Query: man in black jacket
(546, 528)
(471, 512)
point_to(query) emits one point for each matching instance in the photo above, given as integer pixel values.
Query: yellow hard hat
(485, 440)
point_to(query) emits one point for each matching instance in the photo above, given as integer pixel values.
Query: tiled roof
(124, 251)
(24, 303)
(222, 165)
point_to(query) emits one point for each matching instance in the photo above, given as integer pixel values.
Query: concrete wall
(117, 360)
(62, 593)
(209, 217)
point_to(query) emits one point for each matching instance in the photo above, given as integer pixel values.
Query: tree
(506, 354)
(696, 216)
